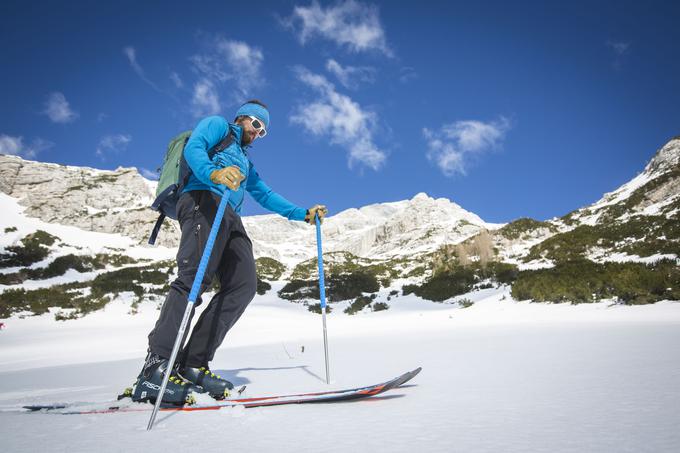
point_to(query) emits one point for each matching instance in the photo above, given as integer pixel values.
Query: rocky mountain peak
(666, 158)
(95, 200)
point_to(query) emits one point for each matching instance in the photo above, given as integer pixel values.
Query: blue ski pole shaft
(193, 295)
(322, 293)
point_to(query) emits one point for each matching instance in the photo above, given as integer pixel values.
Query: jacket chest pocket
(244, 166)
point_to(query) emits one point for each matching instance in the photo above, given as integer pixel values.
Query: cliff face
(94, 200)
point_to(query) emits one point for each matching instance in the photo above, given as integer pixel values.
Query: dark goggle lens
(259, 127)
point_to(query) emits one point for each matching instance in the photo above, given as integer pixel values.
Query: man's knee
(182, 284)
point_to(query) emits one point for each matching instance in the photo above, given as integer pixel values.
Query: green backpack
(174, 175)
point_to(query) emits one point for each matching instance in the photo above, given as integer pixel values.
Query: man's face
(249, 132)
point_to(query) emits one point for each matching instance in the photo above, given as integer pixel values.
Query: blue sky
(509, 109)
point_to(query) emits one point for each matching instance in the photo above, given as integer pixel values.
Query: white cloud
(350, 76)
(58, 109)
(112, 144)
(452, 146)
(339, 117)
(15, 146)
(234, 65)
(148, 174)
(619, 48)
(176, 79)
(349, 23)
(11, 145)
(205, 100)
(407, 73)
(131, 55)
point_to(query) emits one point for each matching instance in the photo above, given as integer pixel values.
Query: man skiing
(214, 174)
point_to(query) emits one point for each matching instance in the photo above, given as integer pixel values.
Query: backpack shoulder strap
(223, 144)
(185, 171)
(156, 229)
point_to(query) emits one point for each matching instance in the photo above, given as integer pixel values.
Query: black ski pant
(231, 262)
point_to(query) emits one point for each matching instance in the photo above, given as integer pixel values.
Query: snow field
(498, 376)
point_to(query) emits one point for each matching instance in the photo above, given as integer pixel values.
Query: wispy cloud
(339, 117)
(351, 76)
(15, 146)
(453, 145)
(620, 49)
(58, 109)
(176, 79)
(349, 24)
(131, 55)
(234, 65)
(407, 73)
(206, 100)
(112, 144)
(148, 174)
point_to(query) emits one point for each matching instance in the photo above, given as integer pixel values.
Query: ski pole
(193, 295)
(322, 292)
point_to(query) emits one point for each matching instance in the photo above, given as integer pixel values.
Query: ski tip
(45, 407)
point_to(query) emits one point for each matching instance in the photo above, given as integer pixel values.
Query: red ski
(279, 400)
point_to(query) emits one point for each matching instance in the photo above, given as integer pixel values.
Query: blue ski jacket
(208, 133)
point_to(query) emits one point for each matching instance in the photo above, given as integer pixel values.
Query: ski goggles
(258, 125)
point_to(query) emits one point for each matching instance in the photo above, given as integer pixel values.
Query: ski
(328, 396)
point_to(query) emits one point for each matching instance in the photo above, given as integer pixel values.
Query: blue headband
(255, 110)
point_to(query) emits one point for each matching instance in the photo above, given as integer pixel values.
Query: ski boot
(177, 392)
(215, 385)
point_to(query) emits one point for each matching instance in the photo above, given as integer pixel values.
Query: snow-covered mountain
(117, 202)
(655, 191)
(639, 221)
(66, 226)
(379, 231)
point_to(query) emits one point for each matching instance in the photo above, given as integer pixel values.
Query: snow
(657, 208)
(497, 376)
(500, 375)
(603, 255)
(623, 192)
(70, 276)
(378, 231)
(151, 184)
(88, 242)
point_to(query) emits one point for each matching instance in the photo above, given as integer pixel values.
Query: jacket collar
(237, 131)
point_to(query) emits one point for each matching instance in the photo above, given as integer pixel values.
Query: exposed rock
(95, 200)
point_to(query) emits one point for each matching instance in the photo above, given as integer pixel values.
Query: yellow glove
(230, 177)
(313, 211)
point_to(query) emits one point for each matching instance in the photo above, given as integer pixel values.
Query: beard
(247, 138)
